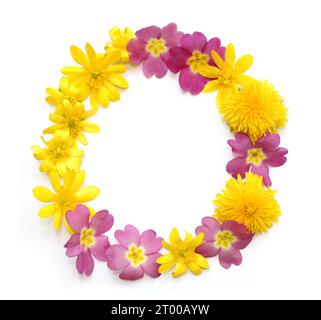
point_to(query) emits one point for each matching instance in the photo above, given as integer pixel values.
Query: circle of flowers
(252, 109)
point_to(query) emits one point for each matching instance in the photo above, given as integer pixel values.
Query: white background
(160, 158)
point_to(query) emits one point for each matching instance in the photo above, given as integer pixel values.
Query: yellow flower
(247, 202)
(98, 76)
(228, 74)
(119, 41)
(70, 121)
(254, 110)
(60, 154)
(182, 254)
(65, 91)
(66, 196)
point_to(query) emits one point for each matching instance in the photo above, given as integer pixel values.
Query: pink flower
(88, 239)
(136, 254)
(194, 51)
(224, 240)
(256, 158)
(151, 47)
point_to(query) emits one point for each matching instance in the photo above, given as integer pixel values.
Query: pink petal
(148, 33)
(237, 166)
(135, 45)
(129, 236)
(228, 257)
(85, 263)
(196, 41)
(136, 57)
(275, 162)
(73, 241)
(149, 241)
(178, 58)
(102, 221)
(207, 250)
(100, 247)
(79, 218)
(150, 267)
(214, 44)
(263, 171)
(241, 144)
(74, 251)
(244, 237)
(132, 273)
(268, 142)
(116, 258)
(209, 227)
(154, 66)
(170, 35)
(192, 82)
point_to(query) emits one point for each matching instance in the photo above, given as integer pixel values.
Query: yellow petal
(180, 269)
(192, 243)
(112, 92)
(94, 98)
(166, 258)
(217, 59)
(46, 165)
(243, 80)
(82, 138)
(87, 194)
(200, 260)
(47, 211)
(90, 127)
(174, 237)
(230, 54)
(111, 58)
(104, 97)
(57, 118)
(209, 72)
(55, 180)
(57, 220)
(79, 56)
(67, 226)
(43, 194)
(89, 113)
(73, 71)
(118, 80)
(117, 68)
(167, 246)
(78, 180)
(197, 270)
(166, 266)
(243, 64)
(91, 54)
(61, 168)
(211, 86)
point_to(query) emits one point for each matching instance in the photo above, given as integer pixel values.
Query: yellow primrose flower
(65, 91)
(228, 74)
(60, 154)
(98, 76)
(66, 196)
(71, 120)
(119, 41)
(247, 202)
(182, 254)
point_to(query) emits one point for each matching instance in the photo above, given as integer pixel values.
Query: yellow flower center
(59, 152)
(95, 74)
(249, 210)
(136, 255)
(226, 76)
(156, 46)
(87, 237)
(224, 239)
(196, 60)
(255, 156)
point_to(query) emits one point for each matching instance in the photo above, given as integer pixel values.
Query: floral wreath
(252, 109)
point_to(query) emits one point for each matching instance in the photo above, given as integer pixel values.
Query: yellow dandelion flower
(71, 121)
(119, 41)
(247, 202)
(256, 109)
(99, 76)
(65, 91)
(60, 154)
(182, 254)
(65, 197)
(227, 75)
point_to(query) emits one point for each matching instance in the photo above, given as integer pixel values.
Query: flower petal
(79, 218)
(240, 144)
(74, 251)
(243, 64)
(148, 33)
(237, 166)
(230, 55)
(268, 142)
(178, 58)
(151, 266)
(150, 243)
(79, 56)
(218, 59)
(180, 269)
(244, 237)
(116, 258)
(263, 171)
(132, 273)
(43, 194)
(154, 66)
(196, 41)
(170, 35)
(87, 194)
(89, 127)
(210, 226)
(228, 257)
(207, 250)
(73, 241)
(102, 221)
(85, 263)
(98, 250)
(118, 80)
(211, 86)
(129, 236)
(192, 82)
(209, 72)
(47, 211)
(275, 161)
